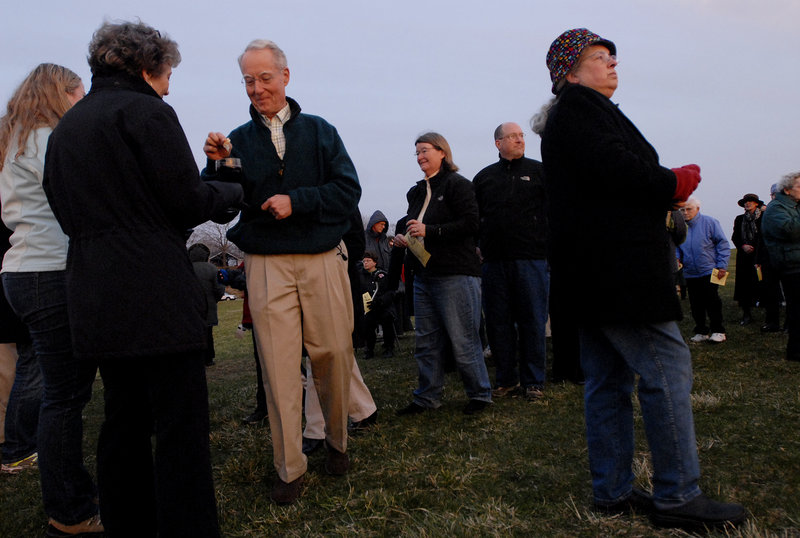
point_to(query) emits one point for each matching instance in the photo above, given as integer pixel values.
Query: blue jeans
(611, 356)
(39, 300)
(448, 307)
(515, 296)
(22, 413)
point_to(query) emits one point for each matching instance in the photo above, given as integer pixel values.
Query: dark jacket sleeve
(168, 165)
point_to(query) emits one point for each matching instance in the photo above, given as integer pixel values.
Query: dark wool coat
(208, 277)
(746, 284)
(123, 183)
(608, 199)
(451, 224)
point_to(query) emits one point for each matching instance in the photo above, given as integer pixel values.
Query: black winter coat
(608, 197)
(123, 183)
(451, 225)
(513, 210)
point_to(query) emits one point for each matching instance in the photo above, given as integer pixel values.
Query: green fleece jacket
(317, 174)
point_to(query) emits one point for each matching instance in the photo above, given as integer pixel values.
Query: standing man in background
(513, 233)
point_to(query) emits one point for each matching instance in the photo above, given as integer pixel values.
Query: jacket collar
(121, 81)
(294, 109)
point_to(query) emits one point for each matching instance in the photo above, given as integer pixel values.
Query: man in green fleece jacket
(301, 187)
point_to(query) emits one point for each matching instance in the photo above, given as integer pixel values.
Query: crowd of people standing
(95, 188)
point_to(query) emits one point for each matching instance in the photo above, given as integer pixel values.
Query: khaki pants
(8, 366)
(296, 300)
(361, 403)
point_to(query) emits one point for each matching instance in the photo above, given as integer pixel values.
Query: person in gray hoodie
(376, 239)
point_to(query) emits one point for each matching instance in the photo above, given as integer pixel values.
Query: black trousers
(704, 300)
(166, 489)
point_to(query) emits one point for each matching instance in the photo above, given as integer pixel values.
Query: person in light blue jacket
(704, 250)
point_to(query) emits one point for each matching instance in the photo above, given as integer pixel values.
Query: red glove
(688, 177)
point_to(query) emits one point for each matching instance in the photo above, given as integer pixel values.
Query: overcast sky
(712, 82)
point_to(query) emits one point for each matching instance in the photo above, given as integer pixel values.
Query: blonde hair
(39, 101)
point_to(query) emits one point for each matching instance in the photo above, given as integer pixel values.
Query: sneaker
(699, 514)
(474, 407)
(287, 492)
(639, 502)
(502, 392)
(717, 338)
(18, 466)
(534, 393)
(698, 338)
(91, 527)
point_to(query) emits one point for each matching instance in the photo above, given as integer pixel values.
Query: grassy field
(519, 469)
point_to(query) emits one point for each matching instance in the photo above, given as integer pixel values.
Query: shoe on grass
(287, 493)
(362, 425)
(639, 502)
(534, 393)
(502, 392)
(311, 445)
(337, 463)
(474, 407)
(255, 417)
(698, 338)
(717, 338)
(411, 409)
(91, 527)
(29, 462)
(699, 514)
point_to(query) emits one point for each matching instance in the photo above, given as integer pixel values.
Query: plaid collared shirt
(276, 129)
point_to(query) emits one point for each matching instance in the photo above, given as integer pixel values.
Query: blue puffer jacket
(781, 228)
(705, 247)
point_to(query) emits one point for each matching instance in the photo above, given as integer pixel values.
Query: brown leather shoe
(287, 493)
(91, 527)
(337, 463)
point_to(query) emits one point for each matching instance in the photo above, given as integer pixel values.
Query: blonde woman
(34, 282)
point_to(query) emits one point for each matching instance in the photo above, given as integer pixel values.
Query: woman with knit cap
(593, 157)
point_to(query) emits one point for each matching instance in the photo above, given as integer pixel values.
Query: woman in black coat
(123, 183)
(610, 257)
(443, 218)
(747, 237)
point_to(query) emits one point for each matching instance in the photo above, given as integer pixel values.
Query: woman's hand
(217, 146)
(415, 228)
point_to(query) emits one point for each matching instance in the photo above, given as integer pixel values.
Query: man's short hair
(787, 181)
(261, 44)
(371, 255)
(498, 133)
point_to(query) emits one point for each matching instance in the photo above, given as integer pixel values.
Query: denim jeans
(611, 356)
(515, 296)
(39, 300)
(22, 413)
(448, 307)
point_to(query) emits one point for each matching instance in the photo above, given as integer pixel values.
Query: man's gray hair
(787, 181)
(262, 44)
(694, 201)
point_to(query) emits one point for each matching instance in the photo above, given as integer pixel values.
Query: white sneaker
(717, 338)
(699, 338)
